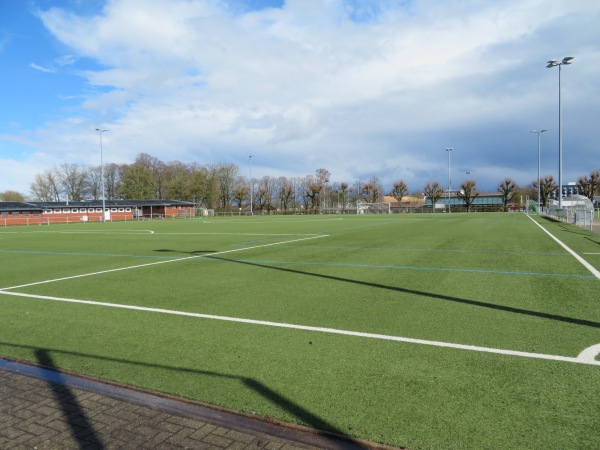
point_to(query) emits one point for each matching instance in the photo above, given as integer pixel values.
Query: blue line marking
(440, 269)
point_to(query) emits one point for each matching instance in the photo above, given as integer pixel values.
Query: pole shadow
(465, 301)
(83, 431)
(81, 428)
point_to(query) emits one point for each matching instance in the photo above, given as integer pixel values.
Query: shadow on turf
(587, 323)
(79, 425)
(83, 431)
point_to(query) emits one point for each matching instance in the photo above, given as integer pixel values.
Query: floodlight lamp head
(552, 63)
(567, 60)
(543, 131)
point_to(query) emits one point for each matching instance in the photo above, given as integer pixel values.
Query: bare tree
(286, 192)
(468, 193)
(433, 191)
(508, 188)
(241, 192)
(266, 192)
(344, 191)
(547, 186)
(113, 176)
(227, 174)
(372, 191)
(590, 185)
(399, 190)
(73, 181)
(46, 187)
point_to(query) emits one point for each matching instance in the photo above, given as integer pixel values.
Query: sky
(361, 88)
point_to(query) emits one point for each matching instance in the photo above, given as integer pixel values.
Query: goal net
(374, 208)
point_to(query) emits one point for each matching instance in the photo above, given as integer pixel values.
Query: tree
(241, 192)
(468, 193)
(344, 190)
(176, 181)
(138, 183)
(433, 191)
(508, 188)
(73, 180)
(227, 175)
(11, 196)
(372, 190)
(322, 178)
(46, 187)
(547, 186)
(590, 185)
(286, 192)
(155, 167)
(311, 190)
(399, 190)
(266, 193)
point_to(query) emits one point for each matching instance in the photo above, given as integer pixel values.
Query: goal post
(374, 208)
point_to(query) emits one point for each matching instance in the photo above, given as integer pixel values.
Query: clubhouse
(45, 213)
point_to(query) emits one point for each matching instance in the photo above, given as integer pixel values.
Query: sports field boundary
(583, 262)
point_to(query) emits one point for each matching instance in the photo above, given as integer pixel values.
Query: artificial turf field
(465, 331)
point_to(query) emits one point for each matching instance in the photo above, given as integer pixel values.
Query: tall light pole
(553, 63)
(449, 149)
(251, 187)
(100, 131)
(538, 177)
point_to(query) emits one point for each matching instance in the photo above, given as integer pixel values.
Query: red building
(34, 213)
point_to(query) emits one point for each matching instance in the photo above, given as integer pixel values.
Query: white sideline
(585, 264)
(160, 262)
(585, 357)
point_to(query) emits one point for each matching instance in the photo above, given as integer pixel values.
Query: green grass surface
(487, 280)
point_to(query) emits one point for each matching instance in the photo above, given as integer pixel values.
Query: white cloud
(41, 69)
(356, 87)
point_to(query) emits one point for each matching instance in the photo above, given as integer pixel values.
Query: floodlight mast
(538, 176)
(251, 187)
(100, 131)
(449, 149)
(554, 63)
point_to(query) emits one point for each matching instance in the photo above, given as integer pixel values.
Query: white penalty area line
(138, 266)
(587, 356)
(585, 264)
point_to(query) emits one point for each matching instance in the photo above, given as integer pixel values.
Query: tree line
(221, 186)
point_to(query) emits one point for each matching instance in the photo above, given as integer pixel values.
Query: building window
(121, 209)
(15, 214)
(128, 209)
(99, 210)
(48, 211)
(4, 214)
(26, 214)
(113, 209)
(66, 210)
(57, 211)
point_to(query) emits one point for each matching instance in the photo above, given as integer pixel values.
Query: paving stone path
(43, 413)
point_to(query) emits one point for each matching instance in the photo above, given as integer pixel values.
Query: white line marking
(584, 357)
(585, 264)
(161, 262)
(590, 354)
